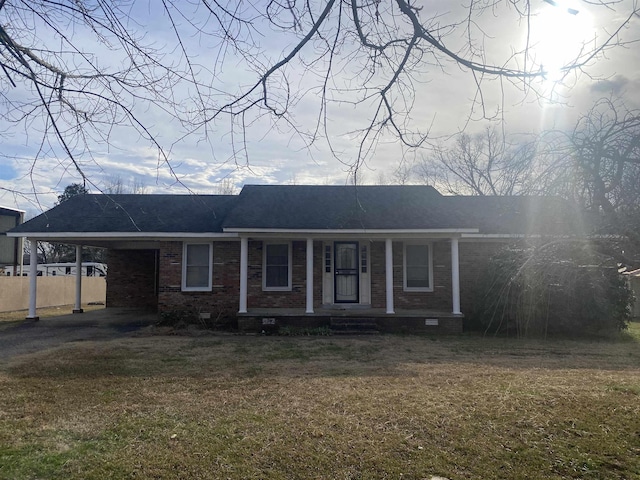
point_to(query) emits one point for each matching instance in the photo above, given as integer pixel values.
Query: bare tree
(59, 252)
(483, 164)
(116, 185)
(605, 145)
(226, 187)
(75, 73)
(597, 164)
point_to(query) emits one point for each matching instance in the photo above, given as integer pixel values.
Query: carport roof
(133, 213)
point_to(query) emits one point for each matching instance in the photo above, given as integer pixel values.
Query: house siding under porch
(132, 280)
(151, 279)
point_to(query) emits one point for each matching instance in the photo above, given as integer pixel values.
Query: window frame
(265, 247)
(209, 286)
(429, 246)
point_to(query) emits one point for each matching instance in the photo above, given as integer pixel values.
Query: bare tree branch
(79, 74)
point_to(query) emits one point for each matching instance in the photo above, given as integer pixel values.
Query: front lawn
(397, 407)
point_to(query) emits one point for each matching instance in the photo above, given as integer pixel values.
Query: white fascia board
(527, 235)
(122, 235)
(355, 231)
(13, 209)
(496, 235)
(507, 236)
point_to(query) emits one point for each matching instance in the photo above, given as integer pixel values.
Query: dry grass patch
(348, 408)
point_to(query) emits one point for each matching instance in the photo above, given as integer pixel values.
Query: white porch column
(78, 306)
(388, 255)
(33, 278)
(309, 308)
(244, 273)
(455, 277)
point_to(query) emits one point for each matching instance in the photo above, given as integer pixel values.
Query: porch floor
(348, 312)
(403, 320)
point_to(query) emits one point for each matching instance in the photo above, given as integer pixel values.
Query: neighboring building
(633, 277)
(88, 269)
(402, 257)
(10, 248)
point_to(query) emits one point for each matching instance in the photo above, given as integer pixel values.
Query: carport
(33, 280)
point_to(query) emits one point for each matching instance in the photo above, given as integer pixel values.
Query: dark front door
(346, 272)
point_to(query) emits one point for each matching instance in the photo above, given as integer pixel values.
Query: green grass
(396, 407)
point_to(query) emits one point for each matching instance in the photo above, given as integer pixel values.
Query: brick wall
(225, 292)
(439, 299)
(132, 277)
(131, 281)
(473, 261)
(296, 298)
(226, 279)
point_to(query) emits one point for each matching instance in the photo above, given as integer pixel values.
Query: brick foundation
(446, 324)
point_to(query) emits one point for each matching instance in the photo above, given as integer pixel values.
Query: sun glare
(559, 32)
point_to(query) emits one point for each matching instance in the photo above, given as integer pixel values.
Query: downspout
(388, 250)
(455, 277)
(244, 273)
(309, 286)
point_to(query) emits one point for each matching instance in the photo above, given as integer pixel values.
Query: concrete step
(353, 321)
(353, 326)
(354, 332)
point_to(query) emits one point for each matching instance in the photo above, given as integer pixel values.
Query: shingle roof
(304, 207)
(134, 213)
(312, 207)
(519, 214)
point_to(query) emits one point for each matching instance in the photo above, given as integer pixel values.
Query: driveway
(104, 324)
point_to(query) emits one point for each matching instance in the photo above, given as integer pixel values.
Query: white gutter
(352, 231)
(122, 235)
(497, 235)
(531, 235)
(13, 209)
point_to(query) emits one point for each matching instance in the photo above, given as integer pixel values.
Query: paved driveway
(104, 324)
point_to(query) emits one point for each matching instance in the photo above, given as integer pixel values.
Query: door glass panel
(346, 272)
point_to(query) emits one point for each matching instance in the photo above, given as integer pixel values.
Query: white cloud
(275, 153)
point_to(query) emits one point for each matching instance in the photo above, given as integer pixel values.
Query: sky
(441, 97)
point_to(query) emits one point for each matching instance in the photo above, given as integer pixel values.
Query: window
(418, 274)
(327, 259)
(196, 267)
(277, 266)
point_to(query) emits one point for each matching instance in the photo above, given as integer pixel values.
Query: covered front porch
(350, 274)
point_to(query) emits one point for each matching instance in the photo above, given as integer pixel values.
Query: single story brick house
(399, 257)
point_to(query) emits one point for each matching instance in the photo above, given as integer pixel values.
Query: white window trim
(288, 288)
(209, 286)
(429, 246)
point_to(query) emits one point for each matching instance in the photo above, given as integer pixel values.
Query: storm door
(346, 272)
